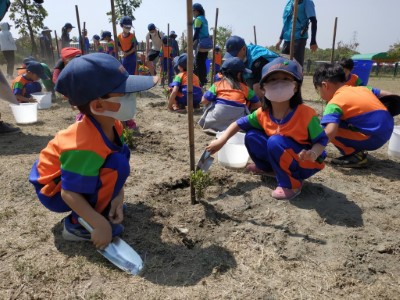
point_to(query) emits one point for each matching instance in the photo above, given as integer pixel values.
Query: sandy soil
(338, 240)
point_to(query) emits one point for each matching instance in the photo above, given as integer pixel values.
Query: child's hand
(116, 214)
(215, 146)
(102, 235)
(308, 155)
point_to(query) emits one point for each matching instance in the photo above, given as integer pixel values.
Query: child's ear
(97, 105)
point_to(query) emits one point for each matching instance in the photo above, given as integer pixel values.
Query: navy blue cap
(36, 68)
(96, 37)
(28, 59)
(105, 34)
(172, 34)
(198, 7)
(233, 45)
(234, 64)
(182, 61)
(217, 47)
(151, 26)
(94, 75)
(281, 64)
(126, 21)
(68, 25)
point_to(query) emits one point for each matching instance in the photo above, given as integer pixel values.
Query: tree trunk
(31, 33)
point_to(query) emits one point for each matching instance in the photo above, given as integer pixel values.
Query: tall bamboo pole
(334, 40)
(57, 46)
(214, 43)
(190, 93)
(168, 44)
(79, 28)
(255, 35)
(114, 29)
(292, 37)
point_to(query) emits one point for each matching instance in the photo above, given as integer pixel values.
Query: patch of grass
(130, 137)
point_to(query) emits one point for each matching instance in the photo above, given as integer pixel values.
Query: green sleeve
(333, 109)
(197, 23)
(253, 120)
(314, 128)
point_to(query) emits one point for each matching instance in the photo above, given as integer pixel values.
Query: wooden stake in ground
(114, 29)
(190, 93)
(334, 40)
(58, 48)
(255, 35)
(52, 49)
(214, 43)
(83, 36)
(292, 37)
(168, 44)
(79, 29)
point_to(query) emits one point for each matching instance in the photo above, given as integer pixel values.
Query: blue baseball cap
(233, 45)
(182, 60)
(36, 68)
(235, 64)
(94, 75)
(126, 22)
(281, 64)
(28, 59)
(68, 25)
(151, 26)
(105, 34)
(172, 34)
(96, 37)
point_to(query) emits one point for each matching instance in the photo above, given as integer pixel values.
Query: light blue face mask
(126, 111)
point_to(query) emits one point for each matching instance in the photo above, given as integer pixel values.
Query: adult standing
(65, 39)
(305, 16)
(255, 57)
(153, 53)
(174, 43)
(46, 47)
(202, 42)
(8, 47)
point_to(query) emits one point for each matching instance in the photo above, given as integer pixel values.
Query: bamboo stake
(168, 55)
(114, 29)
(334, 40)
(79, 29)
(292, 37)
(214, 43)
(52, 48)
(190, 93)
(83, 37)
(255, 35)
(57, 46)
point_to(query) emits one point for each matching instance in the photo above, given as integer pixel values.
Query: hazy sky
(372, 21)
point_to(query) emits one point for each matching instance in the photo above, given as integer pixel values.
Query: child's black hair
(232, 78)
(329, 72)
(85, 108)
(347, 63)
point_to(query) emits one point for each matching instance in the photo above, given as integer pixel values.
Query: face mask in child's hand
(126, 111)
(279, 90)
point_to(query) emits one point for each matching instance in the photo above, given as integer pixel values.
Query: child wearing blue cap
(228, 99)
(283, 137)
(166, 61)
(84, 168)
(98, 47)
(178, 98)
(110, 46)
(127, 43)
(26, 84)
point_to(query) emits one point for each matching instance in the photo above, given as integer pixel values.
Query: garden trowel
(205, 161)
(119, 253)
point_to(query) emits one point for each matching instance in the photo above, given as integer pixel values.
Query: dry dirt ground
(340, 239)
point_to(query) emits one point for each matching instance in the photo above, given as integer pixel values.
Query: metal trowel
(119, 253)
(205, 161)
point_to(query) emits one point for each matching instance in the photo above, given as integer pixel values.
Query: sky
(369, 21)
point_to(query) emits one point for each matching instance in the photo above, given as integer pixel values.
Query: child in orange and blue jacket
(283, 137)
(178, 98)
(166, 63)
(228, 99)
(355, 120)
(110, 46)
(127, 43)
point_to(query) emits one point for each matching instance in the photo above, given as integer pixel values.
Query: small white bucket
(234, 153)
(394, 143)
(43, 99)
(24, 113)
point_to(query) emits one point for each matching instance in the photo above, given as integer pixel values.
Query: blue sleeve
(209, 96)
(244, 123)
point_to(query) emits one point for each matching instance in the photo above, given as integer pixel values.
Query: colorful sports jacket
(302, 125)
(180, 80)
(358, 109)
(24, 87)
(78, 160)
(222, 92)
(354, 80)
(126, 43)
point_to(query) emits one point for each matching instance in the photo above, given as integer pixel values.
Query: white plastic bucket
(24, 113)
(43, 99)
(234, 153)
(394, 143)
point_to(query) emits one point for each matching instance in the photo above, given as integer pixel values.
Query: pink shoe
(252, 168)
(281, 193)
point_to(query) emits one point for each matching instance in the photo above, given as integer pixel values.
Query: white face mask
(126, 111)
(126, 30)
(279, 90)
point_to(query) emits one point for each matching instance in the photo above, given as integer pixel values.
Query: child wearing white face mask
(84, 168)
(283, 137)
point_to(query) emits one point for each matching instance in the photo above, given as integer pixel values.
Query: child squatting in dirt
(84, 168)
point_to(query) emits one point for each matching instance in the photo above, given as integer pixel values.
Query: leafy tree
(124, 8)
(183, 42)
(394, 50)
(223, 33)
(28, 18)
